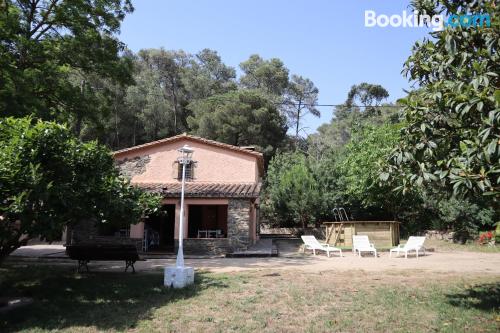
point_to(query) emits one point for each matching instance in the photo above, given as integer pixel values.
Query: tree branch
(43, 20)
(44, 30)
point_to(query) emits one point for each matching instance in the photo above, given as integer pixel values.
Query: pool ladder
(337, 214)
(340, 215)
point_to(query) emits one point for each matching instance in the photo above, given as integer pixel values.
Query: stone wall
(88, 233)
(238, 233)
(81, 231)
(238, 223)
(441, 235)
(132, 167)
(205, 246)
(319, 232)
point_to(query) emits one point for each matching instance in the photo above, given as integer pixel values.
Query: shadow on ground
(485, 297)
(104, 300)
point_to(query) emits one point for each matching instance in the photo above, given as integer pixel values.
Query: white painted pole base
(178, 277)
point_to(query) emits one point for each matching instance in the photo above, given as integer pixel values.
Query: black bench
(84, 253)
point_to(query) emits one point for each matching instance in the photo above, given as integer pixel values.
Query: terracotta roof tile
(201, 190)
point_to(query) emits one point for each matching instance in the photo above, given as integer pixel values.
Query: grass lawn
(284, 301)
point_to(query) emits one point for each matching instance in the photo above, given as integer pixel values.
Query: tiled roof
(202, 190)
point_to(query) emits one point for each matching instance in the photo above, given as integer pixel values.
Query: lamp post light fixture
(180, 276)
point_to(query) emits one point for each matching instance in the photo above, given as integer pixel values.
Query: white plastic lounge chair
(361, 243)
(414, 243)
(311, 243)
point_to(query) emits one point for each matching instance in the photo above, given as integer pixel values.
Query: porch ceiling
(204, 190)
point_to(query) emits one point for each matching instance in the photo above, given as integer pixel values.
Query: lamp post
(184, 159)
(181, 276)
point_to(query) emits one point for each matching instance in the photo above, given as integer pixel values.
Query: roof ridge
(188, 136)
(195, 182)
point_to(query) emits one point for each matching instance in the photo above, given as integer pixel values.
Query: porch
(213, 226)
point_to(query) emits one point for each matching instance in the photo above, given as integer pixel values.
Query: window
(207, 221)
(189, 171)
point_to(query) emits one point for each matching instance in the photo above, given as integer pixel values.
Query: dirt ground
(458, 262)
(444, 291)
(436, 262)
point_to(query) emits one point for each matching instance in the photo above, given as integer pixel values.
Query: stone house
(221, 194)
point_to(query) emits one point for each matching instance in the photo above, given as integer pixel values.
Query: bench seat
(84, 253)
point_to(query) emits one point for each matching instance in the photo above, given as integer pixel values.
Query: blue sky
(323, 40)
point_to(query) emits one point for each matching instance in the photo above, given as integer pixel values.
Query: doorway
(159, 230)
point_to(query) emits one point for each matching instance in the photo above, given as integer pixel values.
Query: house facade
(221, 194)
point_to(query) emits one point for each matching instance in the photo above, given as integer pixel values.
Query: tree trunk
(134, 131)
(10, 244)
(78, 125)
(174, 102)
(297, 126)
(79, 116)
(117, 135)
(3, 255)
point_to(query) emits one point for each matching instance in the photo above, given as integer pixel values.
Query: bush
(486, 237)
(291, 195)
(497, 233)
(49, 179)
(463, 217)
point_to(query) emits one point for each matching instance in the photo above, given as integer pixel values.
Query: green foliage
(156, 105)
(369, 95)
(62, 61)
(452, 136)
(50, 50)
(240, 118)
(364, 156)
(337, 133)
(350, 177)
(346, 173)
(331, 183)
(49, 179)
(463, 217)
(300, 100)
(291, 195)
(177, 92)
(294, 95)
(169, 86)
(497, 233)
(161, 72)
(207, 75)
(270, 76)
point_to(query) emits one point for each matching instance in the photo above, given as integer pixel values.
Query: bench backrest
(360, 241)
(311, 241)
(102, 252)
(415, 242)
